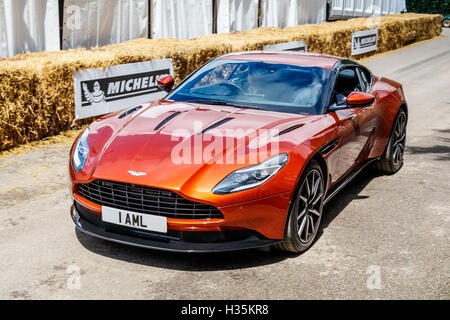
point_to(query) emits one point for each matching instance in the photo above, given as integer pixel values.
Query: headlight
(251, 177)
(80, 152)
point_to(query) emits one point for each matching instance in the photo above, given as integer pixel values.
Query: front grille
(145, 200)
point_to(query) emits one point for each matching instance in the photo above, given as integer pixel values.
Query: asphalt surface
(382, 237)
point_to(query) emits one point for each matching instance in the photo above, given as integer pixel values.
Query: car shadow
(348, 194)
(182, 261)
(441, 151)
(225, 260)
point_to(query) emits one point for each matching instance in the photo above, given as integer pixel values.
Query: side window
(347, 81)
(369, 78)
(365, 83)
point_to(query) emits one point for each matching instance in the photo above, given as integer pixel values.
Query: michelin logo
(132, 85)
(364, 41)
(100, 91)
(98, 96)
(359, 43)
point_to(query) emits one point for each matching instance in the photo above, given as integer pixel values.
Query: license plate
(134, 219)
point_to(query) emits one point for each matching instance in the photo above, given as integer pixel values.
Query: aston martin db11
(243, 153)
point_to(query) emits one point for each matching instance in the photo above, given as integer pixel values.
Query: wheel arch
(323, 165)
(403, 106)
(318, 158)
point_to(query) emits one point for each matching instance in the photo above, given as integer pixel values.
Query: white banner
(287, 46)
(101, 91)
(364, 41)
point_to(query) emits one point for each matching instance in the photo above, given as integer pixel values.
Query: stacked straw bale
(36, 89)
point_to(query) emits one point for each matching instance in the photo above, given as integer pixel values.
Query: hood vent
(292, 128)
(217, 124)
(130, 111)
(167, 120)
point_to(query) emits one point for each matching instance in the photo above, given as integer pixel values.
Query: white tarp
(336, 8)
(236, 15)
(3, 35)
(370, 8)
(182, 19)
(286, 13)
(401, 5)
(385, 7)
(101, 91)
(359, 8)
(349, 8)
(90, 23)
(28, 26)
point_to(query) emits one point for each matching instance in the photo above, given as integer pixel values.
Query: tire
(392, 159)
(446, 23)
(306, 210)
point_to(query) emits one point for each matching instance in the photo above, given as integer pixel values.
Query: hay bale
(36, 89)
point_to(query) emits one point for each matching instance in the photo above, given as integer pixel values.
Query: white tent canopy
(34, 25)
(182, 19)
(357, 8)
(236, 15)
(90, 23)
(287, 13)
(28, 25)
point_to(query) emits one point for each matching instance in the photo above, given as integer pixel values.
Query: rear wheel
(306, 211)
(392, 160)
(446, 23)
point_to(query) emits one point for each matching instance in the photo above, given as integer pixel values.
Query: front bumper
(176, 241)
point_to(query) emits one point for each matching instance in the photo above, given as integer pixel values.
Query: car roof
(287, 57)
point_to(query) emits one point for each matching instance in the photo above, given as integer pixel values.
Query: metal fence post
(259, 13)
(214, 26)
(150, 18)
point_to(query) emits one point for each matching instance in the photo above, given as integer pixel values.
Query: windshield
(259, 85)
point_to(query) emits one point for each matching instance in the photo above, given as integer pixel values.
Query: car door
(356, 125)
(366, 118)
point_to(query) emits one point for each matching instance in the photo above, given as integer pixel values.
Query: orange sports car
(243, 153)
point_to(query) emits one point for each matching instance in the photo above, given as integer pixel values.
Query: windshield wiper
(224, 103)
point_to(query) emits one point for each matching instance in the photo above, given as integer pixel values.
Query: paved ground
(382, 237)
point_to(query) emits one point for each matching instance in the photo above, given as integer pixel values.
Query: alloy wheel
(310, 206)
(398, 143)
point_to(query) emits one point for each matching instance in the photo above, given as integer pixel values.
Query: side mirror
(166, 83)
(341, 103)
(359, 99)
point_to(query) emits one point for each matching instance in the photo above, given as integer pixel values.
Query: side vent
(289, 129)
(130, 111)
(329, 147)
(167, 120)
(217, 124)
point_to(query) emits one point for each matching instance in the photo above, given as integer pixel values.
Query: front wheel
(392, 160)
(446, 23)
(306, 211)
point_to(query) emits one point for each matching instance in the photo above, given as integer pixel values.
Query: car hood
(153, 141)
